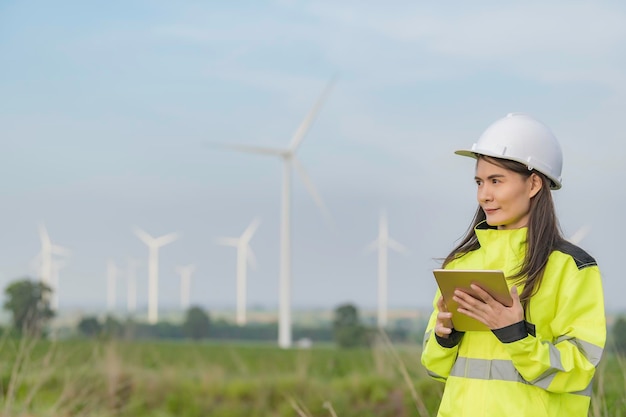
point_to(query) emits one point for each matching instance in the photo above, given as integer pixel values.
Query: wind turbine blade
(308, 120)
(227, 241)
(167, 239)
(382, 219)
(43, 235)
(259, 150)
(144, 236)
(383, 228)
(249, 232)
(398, 247)
(60, 250)
(580, 234)
(311, 188)
(251, 258)
(59, 263)
(371, 247)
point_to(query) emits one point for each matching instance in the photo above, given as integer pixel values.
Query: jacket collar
(502, 240)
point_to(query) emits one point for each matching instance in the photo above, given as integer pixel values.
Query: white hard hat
(519, 137)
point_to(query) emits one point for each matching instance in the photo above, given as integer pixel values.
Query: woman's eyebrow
(492, 176)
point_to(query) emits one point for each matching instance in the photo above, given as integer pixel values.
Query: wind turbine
(244, 254)
(288, 157)
(48, 250)
(154, 243)
(48, 265)
(185, 284)
(383, 242)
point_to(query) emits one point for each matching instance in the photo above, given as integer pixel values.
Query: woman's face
(504, 195)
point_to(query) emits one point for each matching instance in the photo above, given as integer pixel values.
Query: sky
(107, 112)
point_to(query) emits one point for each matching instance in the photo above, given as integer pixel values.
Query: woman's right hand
(443, 326)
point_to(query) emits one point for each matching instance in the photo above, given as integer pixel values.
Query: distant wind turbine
(244, 255)
(48, 250)
(57, 264)
(288, 157)
(154, 243)
(48, 265)
(382, 243)
(185, 284)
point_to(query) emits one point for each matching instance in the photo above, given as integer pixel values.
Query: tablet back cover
(492, 281)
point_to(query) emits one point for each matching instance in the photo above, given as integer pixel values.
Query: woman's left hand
(489, 311)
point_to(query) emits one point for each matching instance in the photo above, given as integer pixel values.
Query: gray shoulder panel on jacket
(582, 258)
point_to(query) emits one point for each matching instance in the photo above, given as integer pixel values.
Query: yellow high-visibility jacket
(541, 367)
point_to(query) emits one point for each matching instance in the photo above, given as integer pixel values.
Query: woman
(541, 353)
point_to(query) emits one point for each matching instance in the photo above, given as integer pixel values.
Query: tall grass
(609, 395)
(85, 378)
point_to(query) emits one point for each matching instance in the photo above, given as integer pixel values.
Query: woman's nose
(484, 193)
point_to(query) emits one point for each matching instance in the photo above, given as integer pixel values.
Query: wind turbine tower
(244, 256)
(47, 269)
(382, 244)
(288, 157)
(154, 243)
(56, 265)
(185, 284)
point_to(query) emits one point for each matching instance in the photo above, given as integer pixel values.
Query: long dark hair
(544, 233)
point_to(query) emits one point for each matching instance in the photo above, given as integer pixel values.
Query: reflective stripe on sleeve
(426, 337)
(592, 352)
(434, 375)
(586, 392)
(500, 370)
(427, 334)
(544, 380)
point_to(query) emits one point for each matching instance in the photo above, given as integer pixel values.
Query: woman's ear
(535, 184)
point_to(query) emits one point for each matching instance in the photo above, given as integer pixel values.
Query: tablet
(492, 281)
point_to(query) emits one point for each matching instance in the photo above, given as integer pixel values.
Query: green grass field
(87, 378)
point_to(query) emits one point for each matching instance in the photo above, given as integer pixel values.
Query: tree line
(28, 302)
